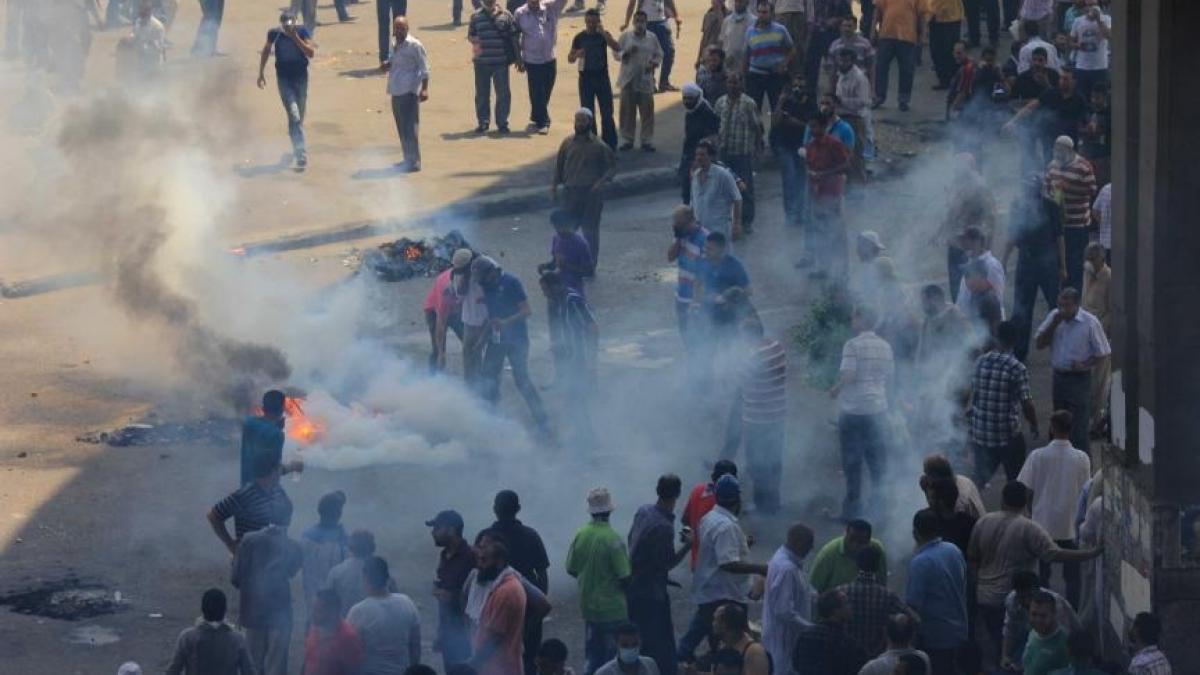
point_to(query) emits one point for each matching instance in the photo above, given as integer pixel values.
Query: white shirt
(1025, 56)
(389, 629)
(969, 500)
(1149, 661)
(409, 67)
(734, 37)
(867, 366)
(886, 663)
(854, 92)
(474, 308)
(638, 70)
(995, 276)
(721, 542)
(787, 606)
(1092, 53)
(1056, 474)
(1103, 205)
(656, 10)
(1076, 340)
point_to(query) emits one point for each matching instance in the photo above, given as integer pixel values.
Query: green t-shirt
(599, 561)
(832, 567)
(1044, 655)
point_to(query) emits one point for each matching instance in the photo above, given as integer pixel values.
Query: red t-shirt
(338, 654)
(441, 298)
(822, 154)
(503, 616)
(701, 500)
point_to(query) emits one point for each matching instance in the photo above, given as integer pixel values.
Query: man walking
(716, 199)
(492, 34)
(574, 339)
(496, 603)
(699, 122)
(537, 30)
(455, 562)
(764, 414)
(211, 14)
(741, 136)
(590, 49)
(658, 12)
(945, 28)
(386, 622)
(1077, 345)
(640, 55)
(937, 591)
(653, 555)
(1035, 230)
(999, 396)
(854, 105)
(871, 603)
(211, 646)
(263, 566)
(598, 560)
(788, 598)
(792, 15)
(386, 11)
(293, 47)
(788, 124)
(408, 85)
(900, 30)
(526, 553)
(583, 166)
(866, 377)
(687, 252)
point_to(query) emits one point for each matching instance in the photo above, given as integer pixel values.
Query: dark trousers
(517, 355)
(600, 644)
(818, 47)
(742, 167)
(652, 616)
(211, 14)
(1073, 391)
(771, 84)
(794, 177)
(587, 206)
(406, 110)
(1086, 80)
(700, 629)
(340, 7)
(595, 91)
(455, 324)
(990, 9)
(942, 36)
(386, 11)
(293, 93)
(956, 258)
(941, 661)
(541, 84)
(1010, 10)
(1076, 240)
(867, 22)
(992, 618)
(112, 13)
(487, 76)
(456, 9)
(453, 635)
(862, 439)
(662, 31)
(532, 639)
(1070, 571)
(1034, 273)
(1011, 455)
(826, 237)
(764, 457)
(905, 56)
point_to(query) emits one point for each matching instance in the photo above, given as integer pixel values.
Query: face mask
(628, 656)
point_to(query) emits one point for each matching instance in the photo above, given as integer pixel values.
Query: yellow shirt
(946, 11)
(899, 18)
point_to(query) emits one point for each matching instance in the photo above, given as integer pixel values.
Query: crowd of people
(802, 78)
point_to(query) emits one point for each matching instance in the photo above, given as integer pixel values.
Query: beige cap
(599, 501)
(462, 257)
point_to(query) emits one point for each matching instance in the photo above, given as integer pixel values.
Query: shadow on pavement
(256, 170)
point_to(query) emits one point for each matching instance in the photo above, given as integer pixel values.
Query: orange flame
(299, 426)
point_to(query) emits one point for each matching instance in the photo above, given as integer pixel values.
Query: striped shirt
(253, 508)
(867, 365)
(764, 391)
(1149, 661)
(767, 47)
(493, 37)
(691, 249)
(1078, 184)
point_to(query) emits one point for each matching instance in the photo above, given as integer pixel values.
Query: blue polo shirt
(258, 435)
(841, 130)
(937, 590)
(502, 302)
(721, 276)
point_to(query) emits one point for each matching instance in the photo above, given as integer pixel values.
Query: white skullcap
(1065, 141)
(586, 112)
(691, 89)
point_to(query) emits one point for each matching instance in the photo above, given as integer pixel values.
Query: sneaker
(667, 86)
(482, 128)
(414, 167)
(544, 130)
(647, 147)
(301, 160)
(532, 126)
(904, 107)
(503, 130)
(626, 146)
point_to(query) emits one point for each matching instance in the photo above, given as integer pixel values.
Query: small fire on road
(300, 427)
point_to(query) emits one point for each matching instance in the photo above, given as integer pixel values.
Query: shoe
(415, 167)
(481, 129)
(348, 19)
(503, 130)
(647, 147)
(903, 107)
(667, 87)
(544, 131)
(877, 104)
(626, 146)
(532, 126)
(301, 161)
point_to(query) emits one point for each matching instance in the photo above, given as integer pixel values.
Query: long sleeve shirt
(854, 93)
(787, 607)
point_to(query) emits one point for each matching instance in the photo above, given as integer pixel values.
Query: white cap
(587, 112)
(599, 501)
(1065, 141)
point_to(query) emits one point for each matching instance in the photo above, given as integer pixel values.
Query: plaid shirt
(871, 603)
(741, 127)
(998, 387)
(826, 647)
(1149, 661)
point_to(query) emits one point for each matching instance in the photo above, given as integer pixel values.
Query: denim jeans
(1035, 272)
(454, 636)
(600, 644)
(211, 14)
(742, 167)
(307, 11)
(905, 55)
(862, 440)
(517, 355)
(652, 616)
(662, 31)
(595, 91)
(956, 259)
(293, 92)
(487, 76)
(1011, 455)
(1075, 240)
(386, 11)
(541, 85)
(794, 176)
(770, 84)
(340, 7)
(1072, 391)
(764, 459)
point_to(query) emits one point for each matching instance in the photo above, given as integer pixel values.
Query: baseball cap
(728, 489)
(447, 519)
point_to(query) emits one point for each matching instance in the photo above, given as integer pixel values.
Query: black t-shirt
(986, 79)
(1062, 115)
(595, 50)
(1035, 226)
(789, 132)
(289, 58)
(1099, 143)
(956, 529)
(526, 552)
(1028, 88)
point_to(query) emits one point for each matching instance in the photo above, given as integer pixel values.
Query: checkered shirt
(741, 126)
(1149, 661)
(998, 386)
(871, 603)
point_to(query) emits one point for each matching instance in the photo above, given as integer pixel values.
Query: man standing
(590, 49)
(1077, 345)
(871, 603)
(854, 105)
(293, 47)
(716, 199)
(263, 566)
(640, 55)
(346, 577)
(825, 646)
(990, 9)
(262, 434)
(900, 633)
(699, 122)
(788, 598)
(792, 14)
(769, 55)
(253, 506)
(899, 30)
(657, 13)
(652, 556)
(331, 647)
(824, 23)
(574, 338)
(1055, 476)
(1089, 34)
(508, 307)
(733, 36)
(1059, 114)
(537, 30)
(496, 603)
(723, 568)
(211, 646)
(1071, 183)
(686, 251)
(741, 136)
(386, 11)
(828, 161)
(764, 414)
(583, 166)
(945, 28)
(455, 563)
(598, 560)
(999, 396)
(1046, 647)
(211, 14)
(701, 500)
(386, 622)
(1143, 639)
(526, 553)
(937, 591)
(493, 37)
(443, 308)
(1026, 585)
(629, 659)
(570, 255)
(788, 123)
(1035, 230)
(836, 564)
(850, 38)
(408, 85)
(721, 273)
(865, 379)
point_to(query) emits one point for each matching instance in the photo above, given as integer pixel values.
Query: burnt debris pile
(67, 600)
(409, 258)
